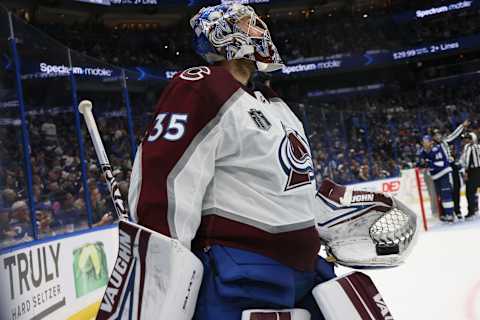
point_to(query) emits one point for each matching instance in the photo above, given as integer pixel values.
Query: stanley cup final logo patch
(295, 158)
(260, 120)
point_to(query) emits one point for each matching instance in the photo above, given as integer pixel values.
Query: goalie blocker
(154, 277)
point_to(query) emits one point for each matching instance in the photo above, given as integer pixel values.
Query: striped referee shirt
(471, 156)
(449, 139)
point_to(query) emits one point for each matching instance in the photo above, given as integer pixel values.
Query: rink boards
(60, 278)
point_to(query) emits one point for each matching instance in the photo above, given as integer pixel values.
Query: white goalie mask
(228, 32)
(364, 229)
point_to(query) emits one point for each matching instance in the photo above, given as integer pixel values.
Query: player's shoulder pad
(203, 89)
(213, 82)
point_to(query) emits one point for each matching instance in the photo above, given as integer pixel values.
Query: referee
(471, 163)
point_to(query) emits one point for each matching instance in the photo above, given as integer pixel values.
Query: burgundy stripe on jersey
(200, 98)
(296, 249)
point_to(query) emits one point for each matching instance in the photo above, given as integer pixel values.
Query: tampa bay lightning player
(434, 157)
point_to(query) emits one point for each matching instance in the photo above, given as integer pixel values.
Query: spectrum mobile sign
(62, 70)
(443, 9)
(305, 67)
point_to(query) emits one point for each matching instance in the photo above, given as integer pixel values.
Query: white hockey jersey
(223, 165)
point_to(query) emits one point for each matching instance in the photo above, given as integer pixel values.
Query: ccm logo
(393, 186)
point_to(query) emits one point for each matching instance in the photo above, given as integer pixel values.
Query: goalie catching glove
(364, 229)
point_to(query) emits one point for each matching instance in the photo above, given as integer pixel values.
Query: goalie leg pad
(286, 314)
(353, 296)
(154, 277)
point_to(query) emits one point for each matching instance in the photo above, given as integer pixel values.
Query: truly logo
(90, 268)
(35, 282)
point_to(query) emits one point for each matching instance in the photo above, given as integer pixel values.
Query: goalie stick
(154, 277)
(85, 108)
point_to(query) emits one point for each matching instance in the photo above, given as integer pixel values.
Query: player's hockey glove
(364, 229)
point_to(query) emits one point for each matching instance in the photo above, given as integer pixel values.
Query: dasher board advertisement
(61, 278)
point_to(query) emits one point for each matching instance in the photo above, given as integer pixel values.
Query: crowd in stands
(58, 189)
(127, 45)
(443, 27)
(301, 35)
(374, 137)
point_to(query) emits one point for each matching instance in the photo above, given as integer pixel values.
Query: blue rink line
(55, 238)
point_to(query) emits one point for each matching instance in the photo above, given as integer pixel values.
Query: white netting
(392, 228)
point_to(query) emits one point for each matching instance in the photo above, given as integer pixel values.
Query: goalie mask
(229, 32)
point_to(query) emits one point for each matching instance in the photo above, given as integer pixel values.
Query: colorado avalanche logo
(295, 158)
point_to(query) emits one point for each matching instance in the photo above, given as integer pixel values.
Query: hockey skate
(471, 216)
(447, 219)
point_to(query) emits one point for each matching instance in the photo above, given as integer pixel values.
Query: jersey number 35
(171, 130)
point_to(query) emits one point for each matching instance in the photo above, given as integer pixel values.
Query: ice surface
(440, 279)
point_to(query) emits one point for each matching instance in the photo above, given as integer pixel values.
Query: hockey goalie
(224, 177)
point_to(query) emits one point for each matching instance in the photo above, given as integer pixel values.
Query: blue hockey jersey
(437, 161)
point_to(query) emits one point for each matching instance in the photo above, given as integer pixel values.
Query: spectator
(4, 225)
(20, 225)
(7, 198)
(102, 212)
(68, 215)
(45, 221)
(49, 131)
(363, 173)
